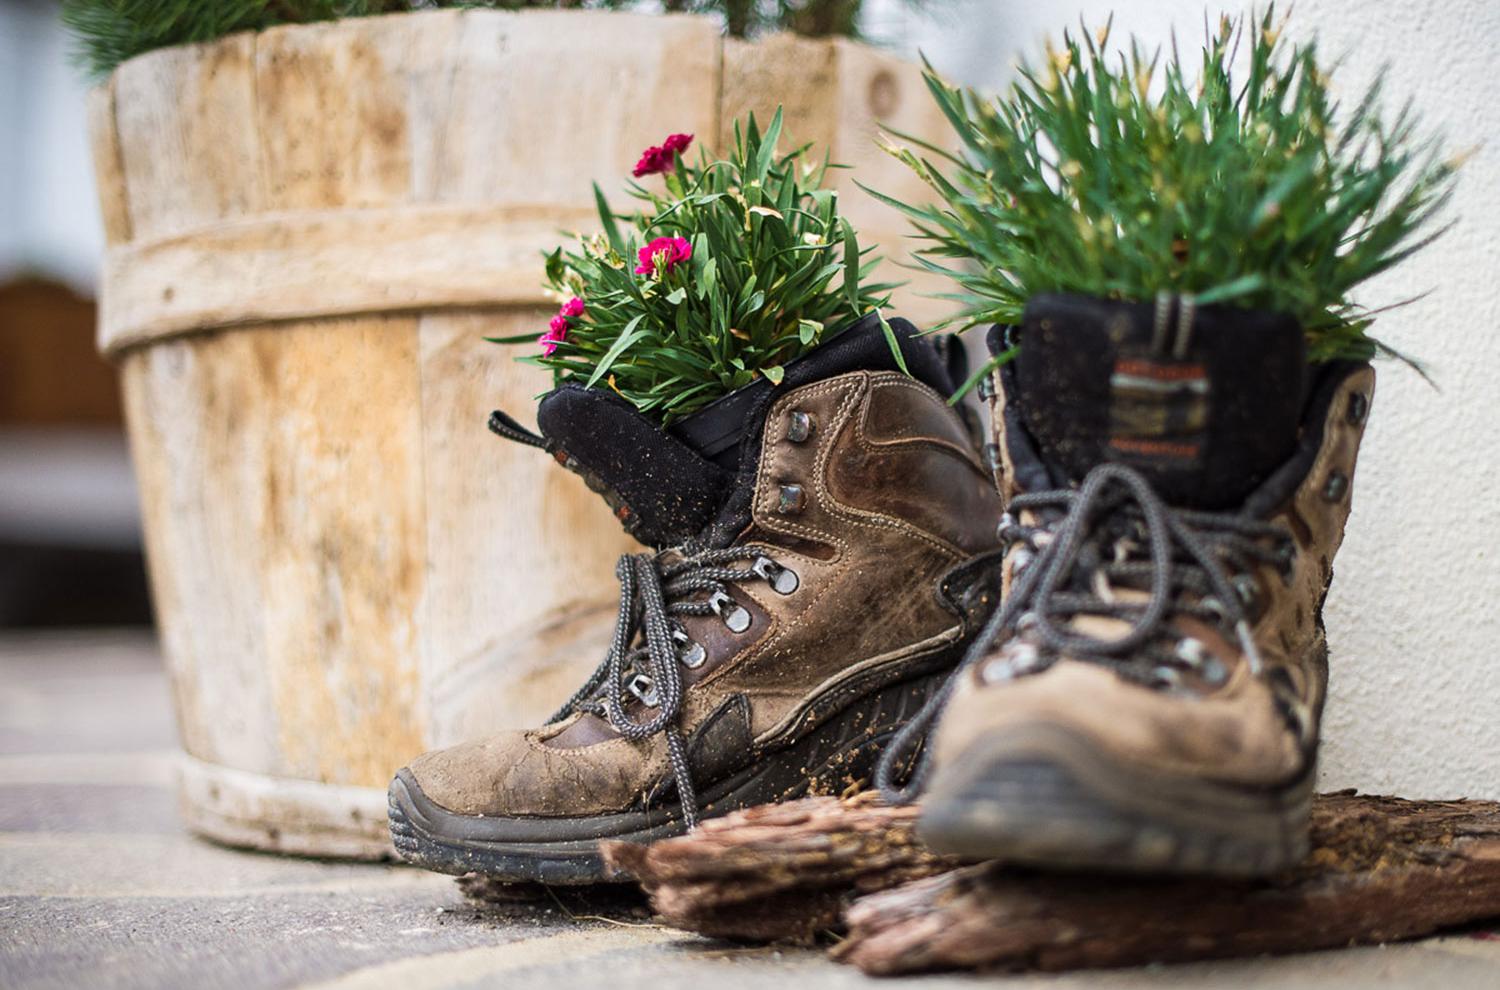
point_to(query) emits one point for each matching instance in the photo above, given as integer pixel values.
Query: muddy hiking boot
(1148, 696)
(826, 552)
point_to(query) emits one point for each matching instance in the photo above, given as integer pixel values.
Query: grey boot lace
(1112, 532)
(652, 596)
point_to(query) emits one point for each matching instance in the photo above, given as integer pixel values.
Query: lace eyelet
(996, 671)
(1165, 678)
(1190, 651)
(1359, 406)
(734, 615)
(1195, 656)
(790, 500)
(783, 580)
(690, 654)
(1247, 589)
(1335, 487)
(644, 689)
(1014, 661)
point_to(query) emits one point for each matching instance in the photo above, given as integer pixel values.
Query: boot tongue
(1204, 402)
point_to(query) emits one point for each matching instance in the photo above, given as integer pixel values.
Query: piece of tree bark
(778, 872)
(1380, 869)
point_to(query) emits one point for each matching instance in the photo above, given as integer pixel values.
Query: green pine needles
(1252, 190)
(739, 266)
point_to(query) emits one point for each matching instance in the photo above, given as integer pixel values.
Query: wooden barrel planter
(310, 230)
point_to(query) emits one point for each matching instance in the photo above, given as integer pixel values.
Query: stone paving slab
(101, 888)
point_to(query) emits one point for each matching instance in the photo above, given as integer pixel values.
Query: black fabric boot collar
(1205, 402)
(1030, 472)
(661, 489)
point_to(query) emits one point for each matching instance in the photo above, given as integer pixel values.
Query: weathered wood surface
(778, 871)
(310, 230)
(348, 568)
(1381, 869)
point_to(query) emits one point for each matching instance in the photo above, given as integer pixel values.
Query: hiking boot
(1148, 696)
(832, 555)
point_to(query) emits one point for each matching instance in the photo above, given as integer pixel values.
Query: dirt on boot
(1149, 696)
(842, 561)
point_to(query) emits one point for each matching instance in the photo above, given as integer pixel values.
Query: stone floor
(101, 888)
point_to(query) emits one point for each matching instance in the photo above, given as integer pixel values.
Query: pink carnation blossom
(658, 158)
(572, 309)
(673, 251)
(557, 332)
(652, 161)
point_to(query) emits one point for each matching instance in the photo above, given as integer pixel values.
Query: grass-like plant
(1125, 177)
(738, 266)
(111, 31)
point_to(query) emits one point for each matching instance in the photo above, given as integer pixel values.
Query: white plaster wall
(48, 212)
(1414, 615)
(49, 216)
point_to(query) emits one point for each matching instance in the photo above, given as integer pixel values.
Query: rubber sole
(1045, 797)
(560, 852)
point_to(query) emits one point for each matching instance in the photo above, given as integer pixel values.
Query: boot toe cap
(1236, 737)
(514, 774)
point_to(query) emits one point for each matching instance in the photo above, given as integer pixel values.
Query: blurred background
(70, 547)
(1412, 619)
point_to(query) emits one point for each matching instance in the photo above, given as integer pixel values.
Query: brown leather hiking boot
(836, 557)
(1148, 697)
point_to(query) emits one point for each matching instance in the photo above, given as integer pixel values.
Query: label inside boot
(1158, 411)
(1204, 407)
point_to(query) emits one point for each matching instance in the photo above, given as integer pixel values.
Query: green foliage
(773, 271)
(1252, 190)
(111, 31)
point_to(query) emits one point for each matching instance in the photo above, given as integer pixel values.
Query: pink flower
(557, 332)
(658, 158)
(572, 309)
(652, 161)
(672, 250)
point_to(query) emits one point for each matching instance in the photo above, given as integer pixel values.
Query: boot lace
(650, 647)
(1113, 532)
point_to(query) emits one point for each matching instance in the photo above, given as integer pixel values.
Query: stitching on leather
(868, 517)
(541, 747)
(853, 391)
(1004, 468)
(926, 391)
(767, 475)
(1341, 441)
